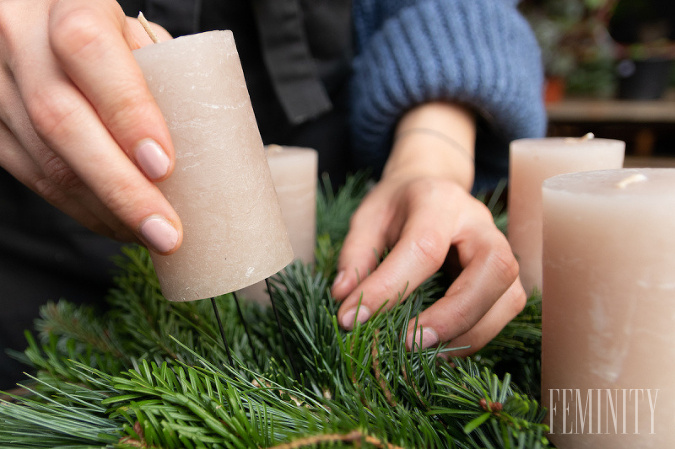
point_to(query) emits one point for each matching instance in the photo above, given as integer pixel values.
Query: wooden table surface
(616, 111)
(638, 122)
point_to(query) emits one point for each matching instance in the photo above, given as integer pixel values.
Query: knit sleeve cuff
(481, 53)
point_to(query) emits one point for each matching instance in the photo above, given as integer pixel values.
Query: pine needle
(151, 373)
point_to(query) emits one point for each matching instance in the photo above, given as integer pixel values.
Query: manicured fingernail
(152, 159)
(159, 234)
(425, 337)
(361, 314)
(338, 279)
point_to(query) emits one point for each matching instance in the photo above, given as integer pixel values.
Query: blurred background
(609, 70)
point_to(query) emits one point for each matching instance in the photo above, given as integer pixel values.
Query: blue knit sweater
(481, 53)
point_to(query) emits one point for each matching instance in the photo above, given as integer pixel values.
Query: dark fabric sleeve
(44, 256)
(178, 17)
(288, 59)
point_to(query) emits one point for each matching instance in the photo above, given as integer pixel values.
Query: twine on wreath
(355, 436)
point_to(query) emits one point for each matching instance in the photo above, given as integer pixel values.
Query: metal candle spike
(289, 354)
(243, 323)
(222, 331)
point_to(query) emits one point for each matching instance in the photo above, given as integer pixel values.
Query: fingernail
(338, 279)
(159, 234)
(424, 338)
(361, 314)
(152, 159)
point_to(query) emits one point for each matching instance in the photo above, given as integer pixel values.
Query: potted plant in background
(550, 24)
(577, 50)
(645, 32)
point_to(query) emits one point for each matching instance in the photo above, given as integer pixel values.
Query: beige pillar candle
(294, 173)
(531, 162)
(608, 358)
(233, 231)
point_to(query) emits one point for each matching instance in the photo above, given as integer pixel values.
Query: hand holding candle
(85, 132)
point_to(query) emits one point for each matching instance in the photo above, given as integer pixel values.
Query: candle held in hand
(221, 187)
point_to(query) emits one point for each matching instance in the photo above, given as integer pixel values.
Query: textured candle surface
(609, 308)
(531, 162)
(294, 173)
(233, 231)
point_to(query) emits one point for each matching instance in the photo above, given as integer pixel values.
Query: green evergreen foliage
(151, 373)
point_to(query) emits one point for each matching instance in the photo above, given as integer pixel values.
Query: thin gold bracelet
(445, 138)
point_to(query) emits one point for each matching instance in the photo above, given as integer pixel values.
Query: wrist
(434, 140)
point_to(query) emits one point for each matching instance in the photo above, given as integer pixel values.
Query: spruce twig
(158, 376)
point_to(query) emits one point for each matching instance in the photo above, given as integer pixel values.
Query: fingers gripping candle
(233, 230)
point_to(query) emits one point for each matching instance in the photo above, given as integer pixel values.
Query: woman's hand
(77, 123)
(419, 210)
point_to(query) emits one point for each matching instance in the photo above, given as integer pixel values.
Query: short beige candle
(531, 162)
(608, 359)
(294, 173)
(233, 231)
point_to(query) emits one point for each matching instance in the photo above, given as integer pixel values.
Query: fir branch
(156, 375)
(77, 323)
(333, 210)
(57, 415)
(332, 219)
(517, 348)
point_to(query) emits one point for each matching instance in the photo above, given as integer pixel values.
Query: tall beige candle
(608, 358)
(294, 173)
(233, 231)
(531, 162)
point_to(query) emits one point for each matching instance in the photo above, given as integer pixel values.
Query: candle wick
(274, 148)
(632, 179)
(585, 137)
(146, 27)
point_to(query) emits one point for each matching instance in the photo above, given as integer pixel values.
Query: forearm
(434, 140)
(495, 70)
